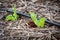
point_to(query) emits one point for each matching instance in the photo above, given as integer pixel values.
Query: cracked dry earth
(20, 30)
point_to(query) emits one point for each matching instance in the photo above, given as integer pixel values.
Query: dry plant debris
(20, 30)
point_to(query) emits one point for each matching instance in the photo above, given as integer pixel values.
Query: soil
(24, 28)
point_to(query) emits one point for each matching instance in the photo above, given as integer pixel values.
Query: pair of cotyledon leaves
(12, 17)
(40, 23)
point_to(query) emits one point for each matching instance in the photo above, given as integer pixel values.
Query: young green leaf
(15, 14)
(9, 17)
(33, 16)
(40, 22)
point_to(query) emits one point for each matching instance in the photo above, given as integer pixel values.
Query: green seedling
(40, 23)
(12, 17)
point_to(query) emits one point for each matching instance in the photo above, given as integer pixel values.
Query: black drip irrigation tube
(27, 15)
